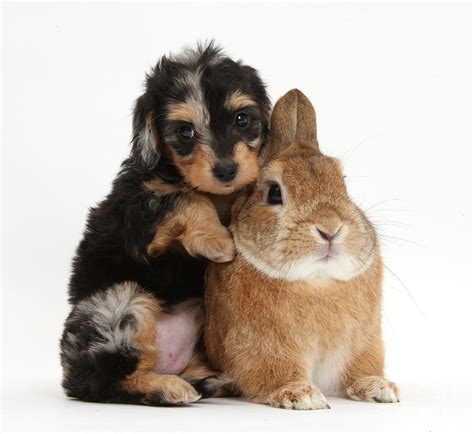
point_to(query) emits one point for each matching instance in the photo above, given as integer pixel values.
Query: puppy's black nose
(225, 172)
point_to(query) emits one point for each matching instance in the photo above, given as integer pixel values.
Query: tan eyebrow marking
(188, 111)
(237, 100)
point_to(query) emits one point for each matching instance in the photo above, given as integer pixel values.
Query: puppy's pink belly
(176, 338)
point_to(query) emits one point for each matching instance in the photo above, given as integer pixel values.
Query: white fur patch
(259, 264)
(327, 371)
(255, 142)
(307, 268)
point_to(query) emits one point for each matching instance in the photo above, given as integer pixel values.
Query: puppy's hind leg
(158, 389)
(207, 382)
(108, 352)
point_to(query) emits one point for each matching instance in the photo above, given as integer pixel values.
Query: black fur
(208, 386)
(113, 248)
(118, 230)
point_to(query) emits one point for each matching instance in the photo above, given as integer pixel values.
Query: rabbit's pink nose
(325, 235)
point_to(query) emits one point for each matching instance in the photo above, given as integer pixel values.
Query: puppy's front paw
(298, 396)
(373, 389)
(219, 248)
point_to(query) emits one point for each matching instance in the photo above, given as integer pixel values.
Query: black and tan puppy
(137, 277)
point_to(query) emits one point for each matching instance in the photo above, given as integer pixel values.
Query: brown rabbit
(297, 313)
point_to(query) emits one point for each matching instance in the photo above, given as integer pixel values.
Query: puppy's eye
(186, 132)
(242, 119)
(274, 195)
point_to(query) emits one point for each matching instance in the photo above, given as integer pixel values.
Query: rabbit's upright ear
(293, 121)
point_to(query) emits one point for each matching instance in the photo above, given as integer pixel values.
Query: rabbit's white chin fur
(308, 268)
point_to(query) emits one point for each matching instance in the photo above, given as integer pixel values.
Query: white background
(392, 89)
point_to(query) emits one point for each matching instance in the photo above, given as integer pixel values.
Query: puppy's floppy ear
(258, 89)
(265, 109)
(264, 103)
(293, 121)
(146, 141)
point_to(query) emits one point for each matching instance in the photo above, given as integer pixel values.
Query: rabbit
(297, 314)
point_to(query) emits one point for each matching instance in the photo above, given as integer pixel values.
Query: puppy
(137, 277)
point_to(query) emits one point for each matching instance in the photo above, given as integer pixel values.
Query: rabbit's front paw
(298, 396)
(373, 389)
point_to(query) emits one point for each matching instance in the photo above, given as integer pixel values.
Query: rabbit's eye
(274, 195)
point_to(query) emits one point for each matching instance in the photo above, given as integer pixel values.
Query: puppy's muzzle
(225, 171)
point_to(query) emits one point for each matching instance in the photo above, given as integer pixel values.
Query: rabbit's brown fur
(290, 319)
